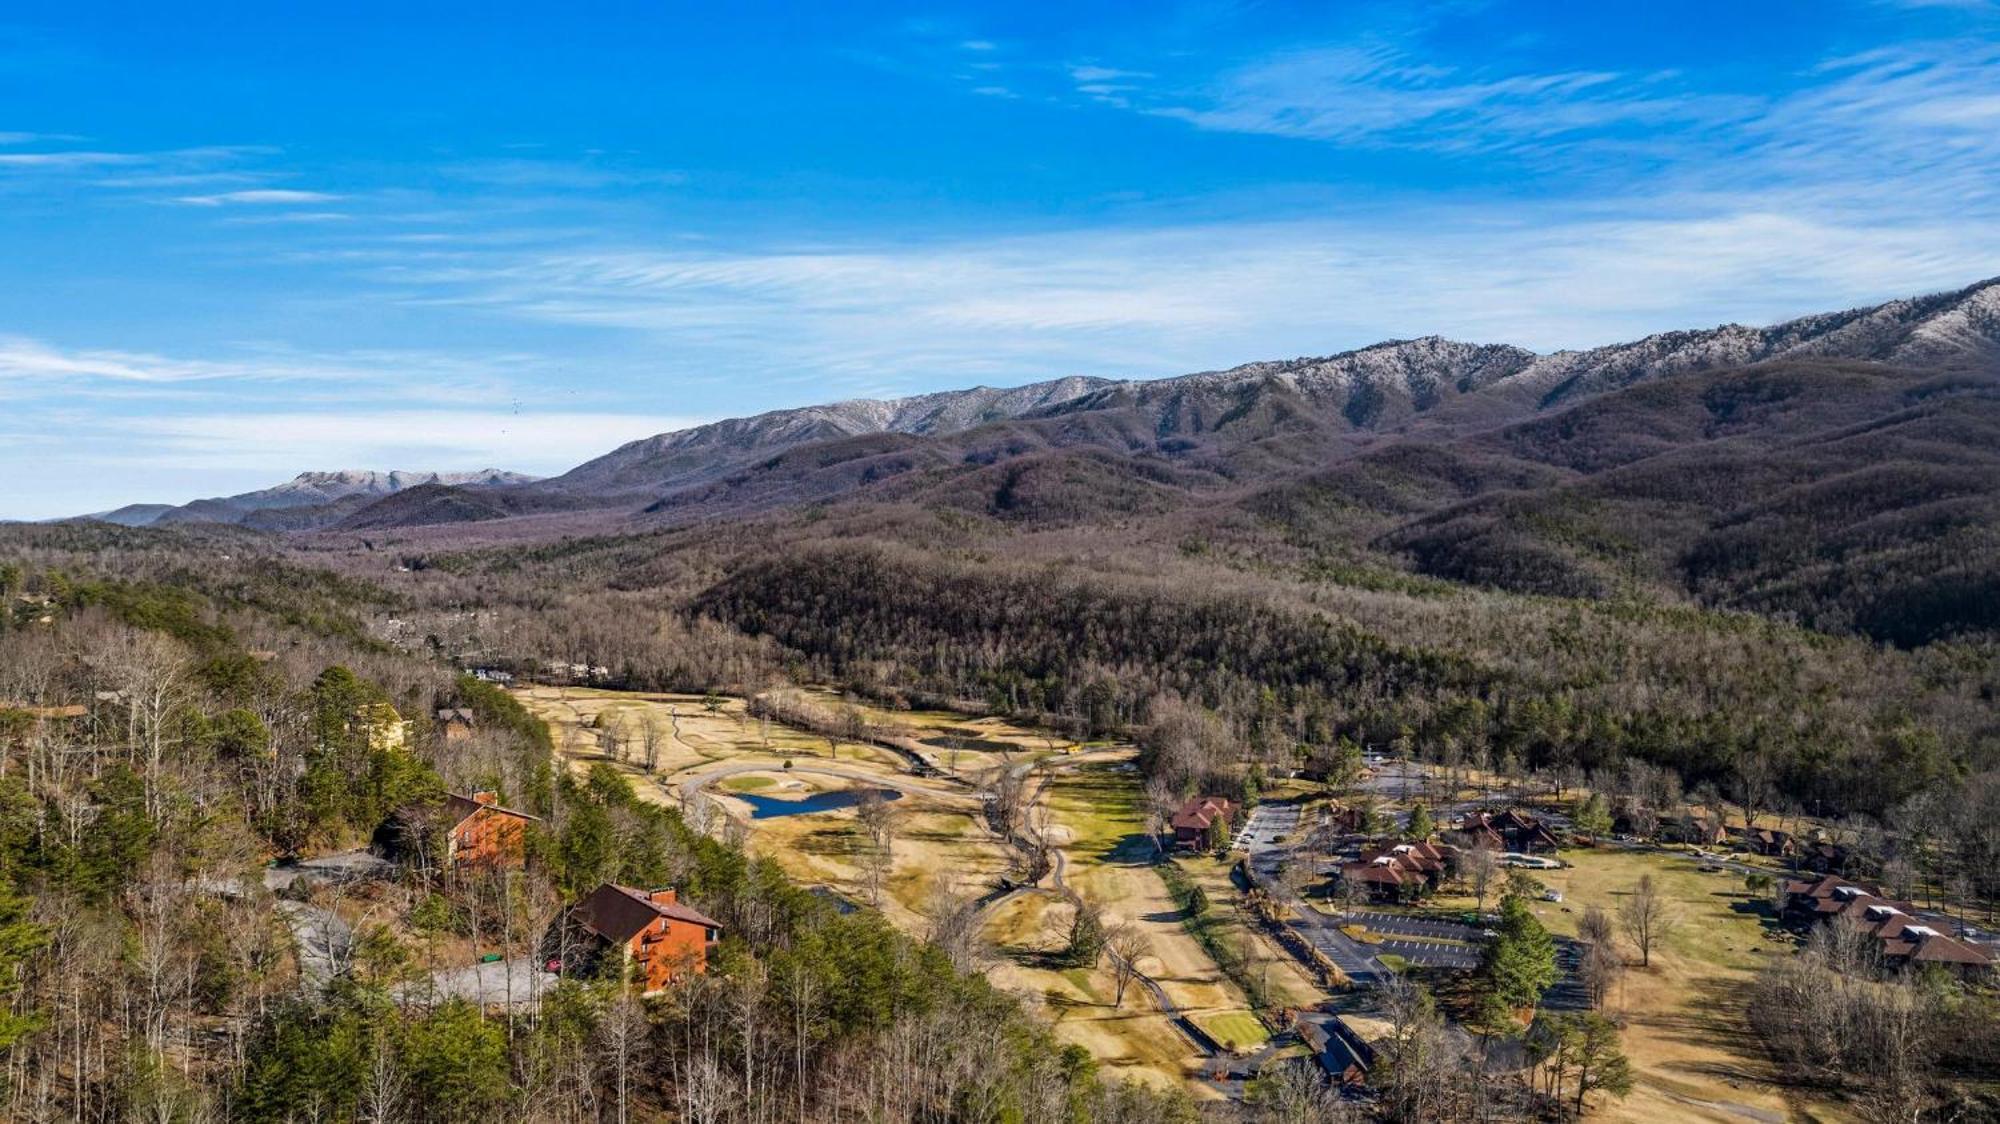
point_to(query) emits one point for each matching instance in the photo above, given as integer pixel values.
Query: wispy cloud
(69, 159)
(26, 361)
(870, 319)
(1091, 72)
(1383, 95)
(85, 429)
(70, 462)
(289, 218)
(115, 168)
(257, 196)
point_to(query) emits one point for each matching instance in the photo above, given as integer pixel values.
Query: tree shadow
(828, 841)
(1717, 1017)
(1134, 849)
(1769, 922)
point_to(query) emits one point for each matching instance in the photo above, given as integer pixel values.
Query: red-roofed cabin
(650, 928)
(1197, 818)
(483, 833)
(1399, 871)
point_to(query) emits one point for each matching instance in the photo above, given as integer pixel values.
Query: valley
(1085, 803)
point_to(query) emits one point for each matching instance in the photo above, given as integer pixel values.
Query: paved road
(1267, 857)
(1354, 959)
(1567, 993)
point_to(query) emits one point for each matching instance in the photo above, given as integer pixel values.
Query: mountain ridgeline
(1837, 471)
(308, 500)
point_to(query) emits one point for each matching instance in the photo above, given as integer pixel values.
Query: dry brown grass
(1686, 1032)
(1093, 816)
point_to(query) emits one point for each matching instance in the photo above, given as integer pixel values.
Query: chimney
(661, 897)
(486, 798)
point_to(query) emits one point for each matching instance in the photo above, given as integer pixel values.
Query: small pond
(771, 807)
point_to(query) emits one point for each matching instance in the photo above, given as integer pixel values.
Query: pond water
(771, 807)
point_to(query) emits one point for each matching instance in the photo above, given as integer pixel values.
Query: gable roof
(1335, 1046)
(1201, 811)
(1903, 936)
(619, 913)
(1512, 821)
(458, 808)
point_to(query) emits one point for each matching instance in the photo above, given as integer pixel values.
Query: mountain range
(1838, 469)
(326, 495)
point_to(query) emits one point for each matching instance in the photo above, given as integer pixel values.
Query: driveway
(1267, 858)
(325, 942)
(346, 866)
(519, 982)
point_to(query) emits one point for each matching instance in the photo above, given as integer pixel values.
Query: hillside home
(481, 832)
(454, 723)
(647, 932)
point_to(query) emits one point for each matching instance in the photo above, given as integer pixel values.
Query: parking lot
(1430, 954)
(1417, 926)
(1567, 993)
(1265, 824)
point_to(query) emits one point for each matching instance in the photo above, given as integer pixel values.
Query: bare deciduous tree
(1647, 917)
(1478, 864)
(1126, 942)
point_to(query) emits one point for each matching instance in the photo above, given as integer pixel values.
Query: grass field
(1096, 817)
(934, 839)
(1693, 1053)
(1240, 1031)
(1093, 813)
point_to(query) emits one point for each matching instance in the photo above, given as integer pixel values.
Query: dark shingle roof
(619, 913)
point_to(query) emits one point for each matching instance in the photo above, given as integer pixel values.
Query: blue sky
(237, 241)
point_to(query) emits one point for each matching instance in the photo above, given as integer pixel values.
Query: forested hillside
(1754, 569)
(1537, 683)
(179, 711)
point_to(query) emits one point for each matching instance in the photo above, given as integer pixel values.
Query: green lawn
(1237, 1030)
